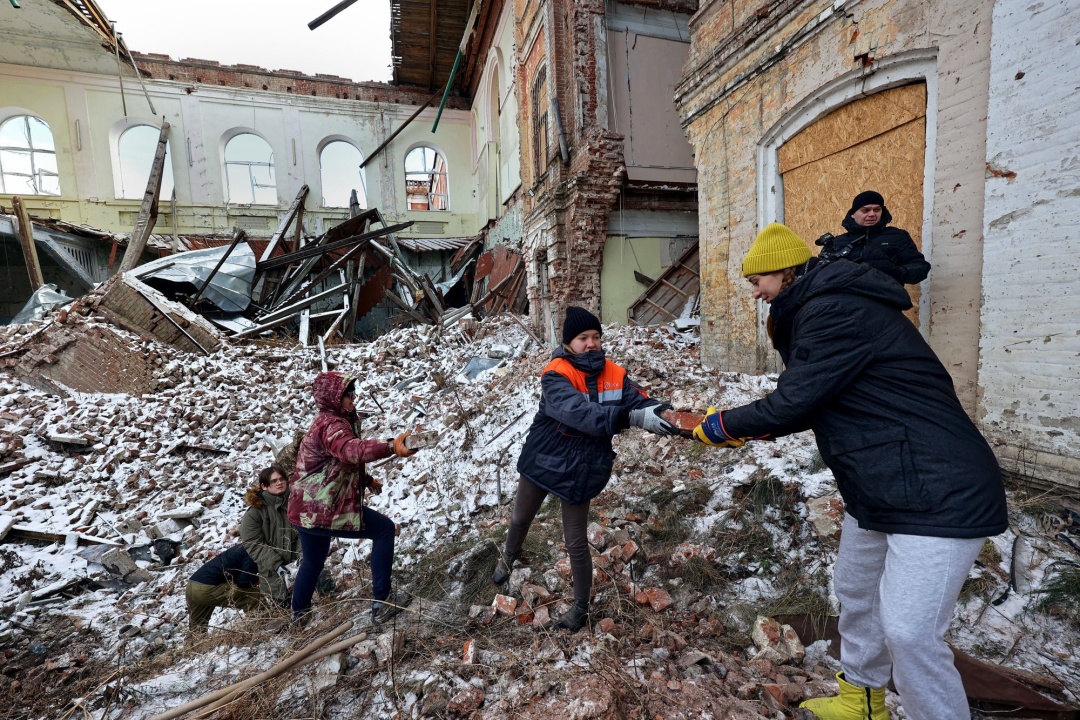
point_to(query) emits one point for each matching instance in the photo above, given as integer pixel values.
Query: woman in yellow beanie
(922, 489)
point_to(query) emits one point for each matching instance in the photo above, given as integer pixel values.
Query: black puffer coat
(889, 249)
(905, 455)
(584, 400)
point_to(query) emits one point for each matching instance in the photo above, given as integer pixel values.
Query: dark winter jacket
(584, 400)
(905, 455)
(269, 539)
(889, 249)
(234, 565)
(327, 489)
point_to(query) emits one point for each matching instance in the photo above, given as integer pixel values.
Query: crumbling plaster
(751, 67)
(1029, 383)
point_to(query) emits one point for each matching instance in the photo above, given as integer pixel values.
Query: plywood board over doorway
(875, 143)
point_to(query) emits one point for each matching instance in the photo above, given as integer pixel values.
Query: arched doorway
(875, 143)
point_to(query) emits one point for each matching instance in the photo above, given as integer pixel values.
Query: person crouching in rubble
(268, 536)
(584, 400)
(922, 490)
(327, 495)
(231, 579)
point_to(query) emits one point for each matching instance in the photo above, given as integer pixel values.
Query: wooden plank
(33, 532)
(26, 242)
(283, 226)
(661, 309)
(286, 313)
(304, 289)
(149, 210)
(317, 250)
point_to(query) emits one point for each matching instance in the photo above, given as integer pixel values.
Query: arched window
(341, 174)
(136, 148)
(28, 157)
(541, 146)
(425, 179)
(249, 171)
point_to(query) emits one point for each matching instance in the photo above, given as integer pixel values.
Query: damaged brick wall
(756, 72)
(210, 72)
(85, 356)
(566, 210)
(130, 308)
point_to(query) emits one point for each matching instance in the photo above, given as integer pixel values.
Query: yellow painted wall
(202, 118)
(618, 288)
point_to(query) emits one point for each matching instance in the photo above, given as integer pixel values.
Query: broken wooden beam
(286, 220)
(26, 242)
(287, 313)
(318, 250)
(149, 209)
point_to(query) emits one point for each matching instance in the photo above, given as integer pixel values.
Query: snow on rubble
(692, 544)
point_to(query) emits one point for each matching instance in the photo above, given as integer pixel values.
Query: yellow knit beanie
(775, 248)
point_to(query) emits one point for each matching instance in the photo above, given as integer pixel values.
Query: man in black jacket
(870, 240)
(921, 487)
(229, 580)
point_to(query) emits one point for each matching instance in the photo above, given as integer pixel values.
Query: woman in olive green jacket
(268, 536)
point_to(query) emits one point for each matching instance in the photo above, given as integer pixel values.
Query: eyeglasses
(350, 394)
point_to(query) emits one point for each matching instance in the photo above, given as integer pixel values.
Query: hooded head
(329, 388)
(775, 248)
(577, 321)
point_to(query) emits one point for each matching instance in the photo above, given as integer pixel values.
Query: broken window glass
(28, 157)
(425, 179)
(341, 174)
(249, 171)
(136, 150)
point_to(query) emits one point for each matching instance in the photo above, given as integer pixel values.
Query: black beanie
(867, 197)
(578, 320)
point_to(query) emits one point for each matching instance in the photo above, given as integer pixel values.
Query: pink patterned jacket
(327, 488)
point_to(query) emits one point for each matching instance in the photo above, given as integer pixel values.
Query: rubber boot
(853, 703)
(574, 619)
(503, 567)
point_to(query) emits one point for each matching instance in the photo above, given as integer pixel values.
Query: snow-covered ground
(189, 450)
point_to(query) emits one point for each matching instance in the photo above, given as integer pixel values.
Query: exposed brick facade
(86, 357)
(209, 72)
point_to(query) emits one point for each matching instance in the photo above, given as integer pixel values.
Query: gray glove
(284, 574)
(649, 418)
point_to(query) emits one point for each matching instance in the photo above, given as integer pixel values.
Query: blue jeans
(315, 543)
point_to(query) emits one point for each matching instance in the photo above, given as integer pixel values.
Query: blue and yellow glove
(711, 432)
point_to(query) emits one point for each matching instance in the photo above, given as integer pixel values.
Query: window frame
(541, 124)
(35, 173)
(254, 185)
(433, 183)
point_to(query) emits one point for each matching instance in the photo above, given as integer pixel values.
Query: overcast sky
(270, 33)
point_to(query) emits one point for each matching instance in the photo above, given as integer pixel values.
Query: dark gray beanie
(578, 320)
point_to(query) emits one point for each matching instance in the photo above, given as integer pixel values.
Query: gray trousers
(575, 520)
(897, 595)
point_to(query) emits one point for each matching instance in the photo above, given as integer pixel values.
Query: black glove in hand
(649, 418)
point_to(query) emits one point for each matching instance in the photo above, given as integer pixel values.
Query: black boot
(574, 619)
(503, 567)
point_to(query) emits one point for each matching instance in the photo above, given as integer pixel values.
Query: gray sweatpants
(897, 595)
(575, 520)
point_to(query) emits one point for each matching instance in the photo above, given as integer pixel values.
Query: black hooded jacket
(889, 249)
(906, 457)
